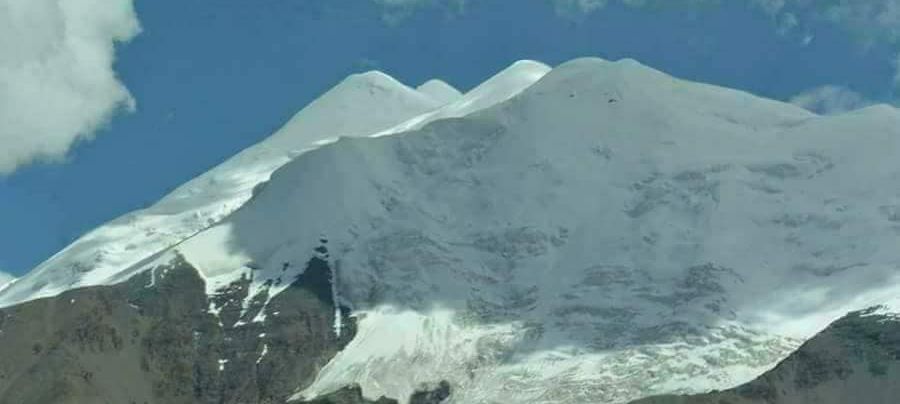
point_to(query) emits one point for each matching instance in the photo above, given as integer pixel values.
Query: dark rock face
(348, 395)
(855, 360)
(353, 395)
(435, 396)
(153, 339)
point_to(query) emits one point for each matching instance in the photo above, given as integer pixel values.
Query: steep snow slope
(361, 104)
(5, 280)
(439, 90)
(610, 232)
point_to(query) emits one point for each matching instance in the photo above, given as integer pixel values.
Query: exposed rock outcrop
(155, 339)
(353, 395)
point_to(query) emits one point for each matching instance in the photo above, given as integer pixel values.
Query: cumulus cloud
(57, 83)
(830, 100)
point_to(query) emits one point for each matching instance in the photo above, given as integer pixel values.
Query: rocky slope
(353, 395)
(155, 341)
(855, 360)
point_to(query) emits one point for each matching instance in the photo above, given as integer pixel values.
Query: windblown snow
(597, 232)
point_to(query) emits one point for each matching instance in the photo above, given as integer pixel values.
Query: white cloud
(57, 83)
(830, 100)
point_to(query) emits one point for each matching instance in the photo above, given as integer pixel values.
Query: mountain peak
(502, 86)
(528, 64)
(440, 90)
(374, 78)
(358, 95)
(640, 94)
(522, 71)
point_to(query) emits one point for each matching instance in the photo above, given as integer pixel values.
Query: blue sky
(209, 79)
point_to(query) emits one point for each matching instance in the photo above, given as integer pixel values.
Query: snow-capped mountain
(597, 232)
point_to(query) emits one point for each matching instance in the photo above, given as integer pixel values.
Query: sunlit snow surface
(607, 233)
(6, 280)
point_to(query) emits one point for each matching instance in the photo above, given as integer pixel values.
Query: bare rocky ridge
(353, 395)
(136, 343)
(855, 360)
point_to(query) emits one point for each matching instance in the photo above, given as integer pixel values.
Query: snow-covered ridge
(500, 87)
(359, 105)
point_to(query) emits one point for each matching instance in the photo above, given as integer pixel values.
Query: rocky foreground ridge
(157, 341)
(855, 360)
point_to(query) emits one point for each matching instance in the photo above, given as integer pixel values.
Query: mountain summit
(439, 90)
